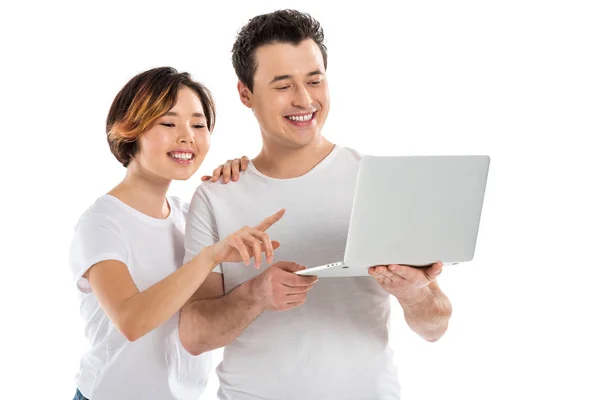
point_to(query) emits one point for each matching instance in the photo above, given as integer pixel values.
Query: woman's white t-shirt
(156, 366)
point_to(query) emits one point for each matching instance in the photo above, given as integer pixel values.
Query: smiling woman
(153, 108)
(127, 253)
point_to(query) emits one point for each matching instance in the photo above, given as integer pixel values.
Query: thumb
(434, 271)
(290, 266)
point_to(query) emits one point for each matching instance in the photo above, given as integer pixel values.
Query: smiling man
(288, 336)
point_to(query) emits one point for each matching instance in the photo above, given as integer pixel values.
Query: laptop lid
(415, 210)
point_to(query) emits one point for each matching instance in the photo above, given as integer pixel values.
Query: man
(288, 336)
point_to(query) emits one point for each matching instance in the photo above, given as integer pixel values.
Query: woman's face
(176, 145)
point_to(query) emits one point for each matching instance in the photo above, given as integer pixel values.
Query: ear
(245, 94)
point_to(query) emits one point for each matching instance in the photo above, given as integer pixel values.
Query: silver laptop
(412, 210)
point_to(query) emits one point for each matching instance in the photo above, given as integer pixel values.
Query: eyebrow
(284, 77)
(174, 114)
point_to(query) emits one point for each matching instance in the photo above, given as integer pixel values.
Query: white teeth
(182, 156)
(300, 118)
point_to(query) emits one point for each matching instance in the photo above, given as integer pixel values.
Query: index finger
(269, 221)
(245, 162)
(235, 168)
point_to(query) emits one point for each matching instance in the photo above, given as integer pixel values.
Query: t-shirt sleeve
(96, 239)
(201, 227)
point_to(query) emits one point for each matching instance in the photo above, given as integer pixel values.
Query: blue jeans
(79, 396)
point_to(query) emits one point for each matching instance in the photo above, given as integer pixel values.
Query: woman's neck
(146, 194)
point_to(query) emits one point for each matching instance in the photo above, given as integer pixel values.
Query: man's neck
(145, 194)
(281, 162)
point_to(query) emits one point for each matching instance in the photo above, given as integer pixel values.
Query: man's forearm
(428, 313)
(208, 324)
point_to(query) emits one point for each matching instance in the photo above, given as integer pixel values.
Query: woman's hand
(248, 243)
(230, 170)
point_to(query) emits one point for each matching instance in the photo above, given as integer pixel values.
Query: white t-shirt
(335, 345)
(156, 366)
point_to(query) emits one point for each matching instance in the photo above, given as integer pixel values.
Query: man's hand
(279, 289)
(230, 170)
(426, 309)
(403, 281)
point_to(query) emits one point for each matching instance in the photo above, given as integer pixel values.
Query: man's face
(291, 96)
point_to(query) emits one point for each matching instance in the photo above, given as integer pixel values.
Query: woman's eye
(167, 125)
(198, 126)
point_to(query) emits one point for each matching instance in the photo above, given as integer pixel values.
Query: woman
(128, 247)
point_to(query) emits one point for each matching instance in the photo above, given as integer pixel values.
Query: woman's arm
(136, 313)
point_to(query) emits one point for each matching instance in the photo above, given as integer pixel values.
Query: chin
(181, 175)
(305, 139)
(180, 178)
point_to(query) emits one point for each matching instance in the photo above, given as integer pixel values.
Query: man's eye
(282, 87)
(168, 125)
(199, 126)
(315, 83)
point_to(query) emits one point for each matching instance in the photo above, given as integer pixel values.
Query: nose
(186, 135)
(302, 97)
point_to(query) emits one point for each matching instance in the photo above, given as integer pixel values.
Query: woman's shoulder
(103, 211)
(178, 206)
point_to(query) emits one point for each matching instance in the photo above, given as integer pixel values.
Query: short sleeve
(201, 227)
(96, 239)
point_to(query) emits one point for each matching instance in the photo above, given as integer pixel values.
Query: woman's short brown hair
(144, 99)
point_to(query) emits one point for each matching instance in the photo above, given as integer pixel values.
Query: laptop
(412, 210)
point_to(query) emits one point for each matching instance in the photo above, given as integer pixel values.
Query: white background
(518, 80)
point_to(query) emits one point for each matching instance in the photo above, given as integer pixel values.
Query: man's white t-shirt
(156, 366)
(335, 345)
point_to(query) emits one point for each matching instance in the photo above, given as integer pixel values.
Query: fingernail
(392, 268)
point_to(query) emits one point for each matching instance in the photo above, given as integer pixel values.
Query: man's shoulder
(218, 188)
(352, 153)
(209, 193)
(346, 160)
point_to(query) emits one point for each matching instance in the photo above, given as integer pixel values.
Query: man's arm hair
(213, 319)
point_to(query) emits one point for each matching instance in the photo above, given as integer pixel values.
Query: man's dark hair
(282, 26)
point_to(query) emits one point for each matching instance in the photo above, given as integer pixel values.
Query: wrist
(413, 297)
(206, 257)
(252, 293)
